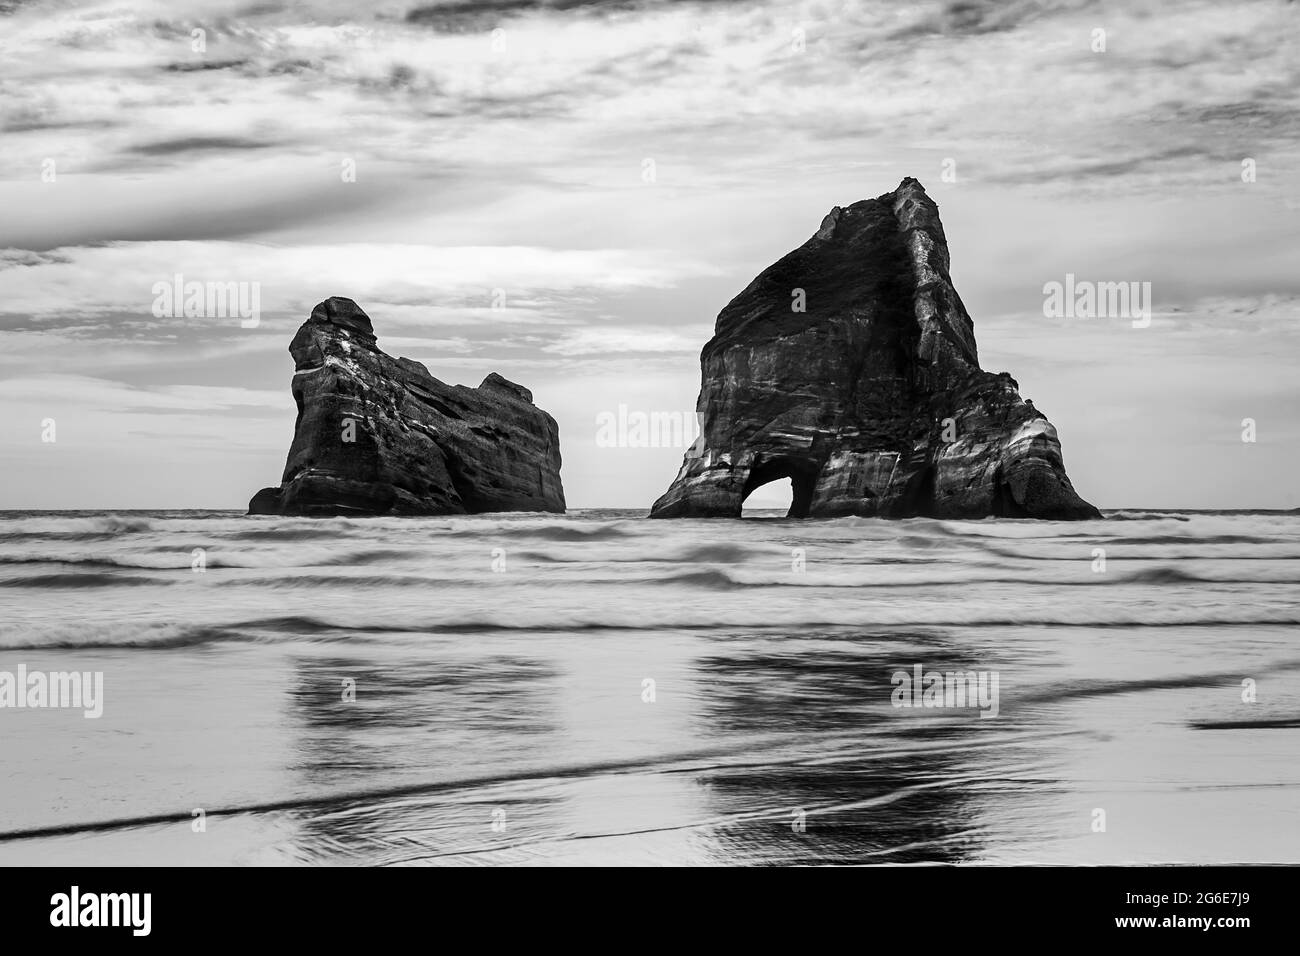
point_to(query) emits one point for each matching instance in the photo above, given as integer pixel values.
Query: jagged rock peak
(344, 313)
(850, 367)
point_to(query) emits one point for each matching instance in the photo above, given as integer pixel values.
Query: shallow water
(501, 712)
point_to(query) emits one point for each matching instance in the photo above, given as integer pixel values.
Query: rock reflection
(863, 782)
(402, 741)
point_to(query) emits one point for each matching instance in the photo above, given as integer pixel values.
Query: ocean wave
(696, 554)
(293, 580)
(1146, 516)
(546, 532)
(76, 528)
(737, 575)
(1171, 575)
(142, 562)
(181, 557)
(83, 580)
(125, 636)
(958, 575)
(293, 533)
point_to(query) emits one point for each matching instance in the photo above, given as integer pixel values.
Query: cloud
(602, 340)
(194, 144)
(104, 395)
(68, 285)
(1016, 81)
(520, 166)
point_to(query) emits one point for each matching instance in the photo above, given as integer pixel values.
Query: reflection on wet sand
(765, 756)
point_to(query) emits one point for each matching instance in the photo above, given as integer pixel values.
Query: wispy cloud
(589, 186)
(70, 284)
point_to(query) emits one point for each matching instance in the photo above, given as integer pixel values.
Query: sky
(568, 192)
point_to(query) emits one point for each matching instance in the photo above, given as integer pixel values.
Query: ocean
(598, 688)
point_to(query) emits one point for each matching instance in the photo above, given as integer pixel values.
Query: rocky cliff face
(378, 435)
(871, 400)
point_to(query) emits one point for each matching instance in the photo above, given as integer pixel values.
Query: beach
(597, 688)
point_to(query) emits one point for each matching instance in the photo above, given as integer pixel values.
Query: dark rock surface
(872, 400)
(415, 445)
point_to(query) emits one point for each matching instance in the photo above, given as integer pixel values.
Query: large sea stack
(381, 436)
(850, 367)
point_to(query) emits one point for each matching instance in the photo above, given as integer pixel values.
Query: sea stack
(850, 367)
(381, 436)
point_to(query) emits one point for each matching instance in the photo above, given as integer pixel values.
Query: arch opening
(802, 479)
(776, 495)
